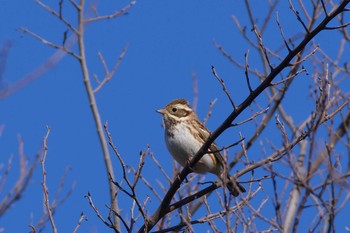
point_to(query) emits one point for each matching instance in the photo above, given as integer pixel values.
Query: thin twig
(80, 221)
(246, 72)
(44, 184)
(209, 112)
(110, 16)
(97, 212)
(252, 117)
(53, 45)
(58, 15)
(296, 13)
(221, 81)
(282, 33)
(338, 27)
(109, 74)
(213, 216)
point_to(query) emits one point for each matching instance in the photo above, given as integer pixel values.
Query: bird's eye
(174, 109)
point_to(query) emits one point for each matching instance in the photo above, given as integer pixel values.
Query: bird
(185, 135)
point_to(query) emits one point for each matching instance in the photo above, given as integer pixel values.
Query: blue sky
(167, 41)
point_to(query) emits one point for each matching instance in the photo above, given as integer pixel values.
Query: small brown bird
(184, 136)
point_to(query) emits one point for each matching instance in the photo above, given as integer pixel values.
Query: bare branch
(95, 111)
(282, 33)
(209, 112)
(109, 74)
(338, 27)
(53, 45)
(223, 86)
(296, 13)
(80, 221)
(112, 16)
(25, 174)
(58, 15)
(252, 117)
(45, 189)
(108, 224)
(247, 72)
(211, 216)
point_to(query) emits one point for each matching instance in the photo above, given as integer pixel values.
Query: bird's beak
(161, 111)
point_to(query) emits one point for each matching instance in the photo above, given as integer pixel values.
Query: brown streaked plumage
(185, 134)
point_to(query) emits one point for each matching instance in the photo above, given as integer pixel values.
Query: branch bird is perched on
(184, 136)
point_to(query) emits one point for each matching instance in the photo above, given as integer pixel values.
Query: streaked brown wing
(204, 133)
(234, 187)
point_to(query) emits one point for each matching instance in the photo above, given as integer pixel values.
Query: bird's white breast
(182, 145)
